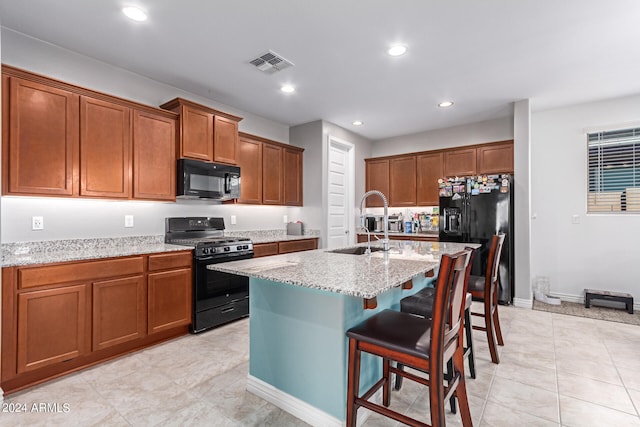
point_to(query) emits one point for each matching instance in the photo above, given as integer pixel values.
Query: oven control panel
(232, 249)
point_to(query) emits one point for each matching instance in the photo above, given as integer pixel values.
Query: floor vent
(271, 62)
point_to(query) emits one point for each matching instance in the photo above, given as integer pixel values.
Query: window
(614, 171)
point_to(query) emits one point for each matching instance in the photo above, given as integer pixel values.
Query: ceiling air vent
(271, 62)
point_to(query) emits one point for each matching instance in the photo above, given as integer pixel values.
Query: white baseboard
(580, 299)
(523, 303)
(300, 409)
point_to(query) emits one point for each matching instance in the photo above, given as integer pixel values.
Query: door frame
(350, 182)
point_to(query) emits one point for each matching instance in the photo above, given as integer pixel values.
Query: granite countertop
(357, 275)
(52, 251)
(402, 233)
(270, 236)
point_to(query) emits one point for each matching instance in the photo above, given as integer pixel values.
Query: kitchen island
(301, 305)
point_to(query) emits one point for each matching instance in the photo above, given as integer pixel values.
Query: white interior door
(340, 194)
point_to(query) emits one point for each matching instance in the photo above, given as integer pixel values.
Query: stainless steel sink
(358, 250)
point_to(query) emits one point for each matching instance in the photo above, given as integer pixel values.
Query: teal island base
(298, 346)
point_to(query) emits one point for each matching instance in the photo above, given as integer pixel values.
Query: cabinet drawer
(297, 246)
(170, 260)
(265, 249)
(29, 277)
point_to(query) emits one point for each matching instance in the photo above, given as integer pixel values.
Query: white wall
(602, 251)
(470, 134)
(74, 218)
(313, 137)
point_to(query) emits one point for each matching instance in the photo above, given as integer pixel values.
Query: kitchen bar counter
(52, 251)
(354, 275)
(301, 304)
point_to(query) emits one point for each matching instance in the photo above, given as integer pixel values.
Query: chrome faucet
(385, 241)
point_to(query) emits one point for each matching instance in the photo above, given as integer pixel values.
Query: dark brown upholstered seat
(421, 343)
(485, 289)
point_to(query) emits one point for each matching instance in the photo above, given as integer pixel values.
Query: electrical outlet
(37, 223)
(128, 221)
(575, 219)
(233, 220)
(285, 219)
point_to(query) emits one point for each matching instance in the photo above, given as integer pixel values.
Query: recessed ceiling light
(357, 123)
(134, 13)
(397, 50)
(288, 89)
(445, 104)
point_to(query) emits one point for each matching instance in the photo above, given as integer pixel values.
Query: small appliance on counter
(295, 228)
(395, 223)
(218, 297)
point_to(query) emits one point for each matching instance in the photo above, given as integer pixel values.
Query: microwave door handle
(227, 183)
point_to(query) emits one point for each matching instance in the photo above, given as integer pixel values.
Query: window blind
(614, 171)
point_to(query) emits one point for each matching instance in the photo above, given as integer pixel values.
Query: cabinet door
(225, 140)
(429, 170)
(265, 249)
(105, 149)
(402, 173)
(377, 178)
(292, 177)
(169, 299)
(119, 311)
(272, 175)
(495, 158)
(297, 246)
(42, 139)
(197, 134)
(154, 159)
(460, 162)
(52, 326)
(250, 162)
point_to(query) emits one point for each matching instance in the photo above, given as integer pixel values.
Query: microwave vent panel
(271, 62)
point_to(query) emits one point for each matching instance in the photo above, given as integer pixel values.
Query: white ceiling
(483, 55)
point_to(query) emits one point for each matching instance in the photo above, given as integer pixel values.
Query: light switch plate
(37, 223)
(233, 220)
(128, 221)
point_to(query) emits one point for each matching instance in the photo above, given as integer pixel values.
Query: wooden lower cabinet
(119, 311)
(284, 247)
(58, 318)
(169, 299)
(52, 326)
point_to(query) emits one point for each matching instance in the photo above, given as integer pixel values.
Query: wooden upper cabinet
(272, 175)
(225, 140)
(402, 177)
(105, 149)
(205, 134)
(292, 162)
(119, 311)
(250, 163)
(52, 326)
(197, 134)
(460, 162)
(429, 170)
(377, 178)
(41, 125)
(495, 158)
(154, 160)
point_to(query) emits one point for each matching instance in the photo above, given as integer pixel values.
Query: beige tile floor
(555, 370)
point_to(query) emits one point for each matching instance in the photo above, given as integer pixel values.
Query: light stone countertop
(270, 236)
(46, 252)
(357, 275)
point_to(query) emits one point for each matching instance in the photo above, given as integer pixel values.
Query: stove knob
(205, 251)
(227, 248)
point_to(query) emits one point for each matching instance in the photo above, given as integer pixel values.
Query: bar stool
(485, 289)
(421, 304)
(420, 343)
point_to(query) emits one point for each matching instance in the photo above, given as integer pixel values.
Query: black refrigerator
(474, 208)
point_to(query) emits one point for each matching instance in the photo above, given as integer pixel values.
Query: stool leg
(469, 340)
(496, 323)
(353, 380)
(386, 387)
(449, 377)
(491, 333)
(398, 385)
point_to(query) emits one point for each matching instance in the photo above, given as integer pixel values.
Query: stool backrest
(493, 265)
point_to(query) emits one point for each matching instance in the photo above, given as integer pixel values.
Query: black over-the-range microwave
(202, 180)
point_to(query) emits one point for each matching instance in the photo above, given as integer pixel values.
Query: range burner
(206, 236)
